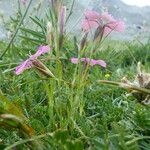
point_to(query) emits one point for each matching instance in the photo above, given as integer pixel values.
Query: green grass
(109, 119)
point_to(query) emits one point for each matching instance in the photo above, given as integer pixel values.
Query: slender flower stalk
(61, 22)
(62, 19)
(55, 7)
(83, 42)
(49, 36)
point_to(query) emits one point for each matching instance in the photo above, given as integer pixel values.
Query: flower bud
(42, 68)
(49, 36)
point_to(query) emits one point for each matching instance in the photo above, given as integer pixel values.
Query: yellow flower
(107, 75)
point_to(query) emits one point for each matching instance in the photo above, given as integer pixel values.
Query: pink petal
(117, 26)
(101, 63)
(93, 20)
(89, 61)
(111, 24)
(120, 26)
(41, 50)
(90, 21)
(107, 17)
(93, 62)
(107, 30)
(24, 2)
(87, 25)
(85, 59)
(92, 15)
(114, 26)
(24, 66)
(74, 60)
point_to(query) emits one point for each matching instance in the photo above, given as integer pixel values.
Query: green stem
(71, 10)
(17, 29)
(137, 139)
(126, 86)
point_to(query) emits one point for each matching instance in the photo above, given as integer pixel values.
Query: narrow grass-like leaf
(34, 33)
(126, 86)
(32, 40)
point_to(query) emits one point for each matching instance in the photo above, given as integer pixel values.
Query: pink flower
(41, 50)
(29, 62)
(92, 15)
(107, 17)
(91, 20)
(24, 66)
(112, 24)
(91, 62)
(74, 60)
(94, 20)
(24, 2)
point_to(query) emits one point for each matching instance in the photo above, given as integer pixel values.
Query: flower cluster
(93, 19)
(91, 62)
